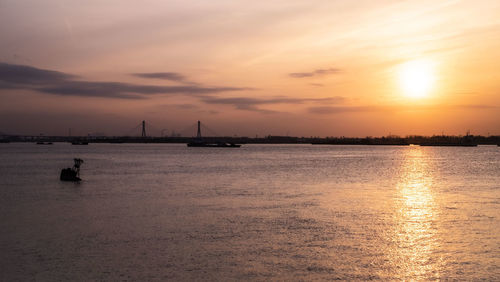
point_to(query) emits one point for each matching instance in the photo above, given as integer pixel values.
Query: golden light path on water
(416, 217)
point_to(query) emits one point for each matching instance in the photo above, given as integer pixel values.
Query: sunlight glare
(416, 215)
(417, 78)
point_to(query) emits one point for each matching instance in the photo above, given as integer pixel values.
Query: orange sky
(302, 68)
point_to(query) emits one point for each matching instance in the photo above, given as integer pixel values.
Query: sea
(167, 212)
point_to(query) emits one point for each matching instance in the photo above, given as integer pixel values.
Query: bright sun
(417, 78)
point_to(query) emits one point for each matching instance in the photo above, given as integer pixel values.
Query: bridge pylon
(143, 134)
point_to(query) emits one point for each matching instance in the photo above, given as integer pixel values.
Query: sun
(417, 78)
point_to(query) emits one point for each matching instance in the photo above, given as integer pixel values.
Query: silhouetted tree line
(270, 139)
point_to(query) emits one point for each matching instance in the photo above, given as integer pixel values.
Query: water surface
(260, 212)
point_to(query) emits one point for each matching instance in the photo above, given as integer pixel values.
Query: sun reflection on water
(415, 217)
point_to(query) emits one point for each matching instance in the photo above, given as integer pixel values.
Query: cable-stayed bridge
(145, 129)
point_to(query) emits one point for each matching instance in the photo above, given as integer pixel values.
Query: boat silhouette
(215, 145)
(199, 142)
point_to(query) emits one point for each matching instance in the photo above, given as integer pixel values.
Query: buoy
(72, 174)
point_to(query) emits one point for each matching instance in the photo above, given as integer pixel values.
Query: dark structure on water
(72, 174)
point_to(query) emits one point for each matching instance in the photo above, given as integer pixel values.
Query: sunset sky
(246, 68)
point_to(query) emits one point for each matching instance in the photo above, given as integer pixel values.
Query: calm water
(261, 212)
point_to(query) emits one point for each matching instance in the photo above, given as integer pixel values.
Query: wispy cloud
(251, 104)
(325, 110)
(173, 76)
(186, 106)
(179, 106)
(317, 84)
(344, 109)
(475, 107)
(59, 83)
(241, 103)
(318, 72)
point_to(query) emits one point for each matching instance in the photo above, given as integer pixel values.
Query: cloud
(440, 107)
(180, 106)
(318, 72)
(126, 90)
(317, 84)
(330, 100)
(5, 85)
(358, 109)
(348, 109)
(250, 104)
(26, 75)
(241, 103)
(58, 83)
(173, 76)
(275, 100)
(475, 107)
(186, 106)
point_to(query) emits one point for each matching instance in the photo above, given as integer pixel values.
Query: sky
(250, 68)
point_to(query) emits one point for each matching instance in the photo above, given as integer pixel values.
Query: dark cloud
(126, 90)
(26, 75)
(173, 76)
(58, 83)
(250, 104)
(6, 85)
(319, 72)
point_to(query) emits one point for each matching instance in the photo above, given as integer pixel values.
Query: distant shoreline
(436, 140)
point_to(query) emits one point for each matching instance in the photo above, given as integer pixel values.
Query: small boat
(72, 174)
(214, 145)
(79, 143)
(198, 142)
(43, 143)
